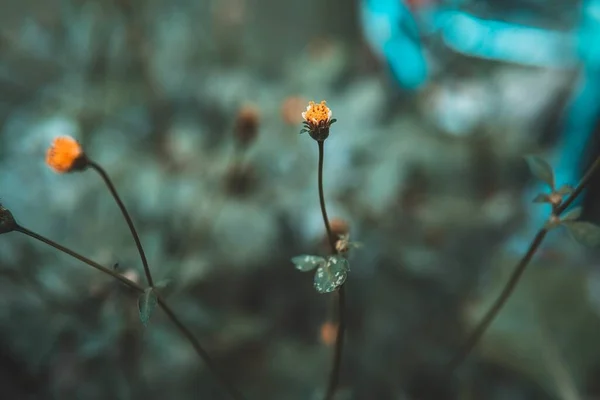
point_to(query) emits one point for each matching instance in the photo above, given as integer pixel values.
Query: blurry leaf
(542, 198)
(565, 190)
(572, 214)
(552, 223)
(146, 304)
(585, 233)
(540, 169)
(165, 286)
(332, 275)
(307, 262)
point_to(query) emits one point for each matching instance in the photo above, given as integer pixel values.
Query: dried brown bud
(246, 125)
(7, 221)
(329, 333)
(240, 180)
(339, 227)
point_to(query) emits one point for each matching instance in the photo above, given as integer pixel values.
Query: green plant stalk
(202, 353)
(517, 272)
(98, 168)
(334, 375)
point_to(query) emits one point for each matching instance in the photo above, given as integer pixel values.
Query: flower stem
(81, 258)
(515, 276)
(96, 167)
(202, 353)
(334, 375)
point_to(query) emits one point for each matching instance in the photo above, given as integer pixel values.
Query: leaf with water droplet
(332, 275)
(585, 233)
(571, 215)
(541, 169)
(307, 262)
(146, 305)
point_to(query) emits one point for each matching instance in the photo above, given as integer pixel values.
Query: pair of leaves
(542, 170)
(585, 233)
(331, 273)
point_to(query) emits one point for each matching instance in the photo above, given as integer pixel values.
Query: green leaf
(565, 190)
(585, 233)
(541, 169)
(542, 198)
(571, 215)
(552, 223)
(146, 305)
(307, 262)
(332, 275)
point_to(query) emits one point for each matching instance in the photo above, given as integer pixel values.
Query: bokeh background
(431, 181)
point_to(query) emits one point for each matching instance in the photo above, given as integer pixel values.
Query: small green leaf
(571, 215)
(146, 305)
(541, 169)
(542, 198)
(585, 233)
(306, 262)
(332, 275)
(565, 190)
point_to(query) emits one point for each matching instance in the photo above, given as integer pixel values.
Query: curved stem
(515, 276)
(334, 375)
(96, 167)
(202, 353)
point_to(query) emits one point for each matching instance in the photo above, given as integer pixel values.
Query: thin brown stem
(81, 258)
(233, 392)
(516, 274)
(334, 376)
(202, 353)
(96, 167)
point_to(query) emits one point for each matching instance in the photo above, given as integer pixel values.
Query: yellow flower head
(317, 113)
(317, 120)
(65, 155)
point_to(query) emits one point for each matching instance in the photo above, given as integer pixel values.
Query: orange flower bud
(317, 120)
(291, 110)
(66, 155)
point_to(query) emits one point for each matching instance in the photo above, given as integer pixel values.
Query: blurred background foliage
(430, 181)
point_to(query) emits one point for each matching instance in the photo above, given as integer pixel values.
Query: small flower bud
(555, 199)
(7, 221)
(317, 120)
(329, 333)
(66, 155)
(246, 125)
(291, 110)
(339, 227)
